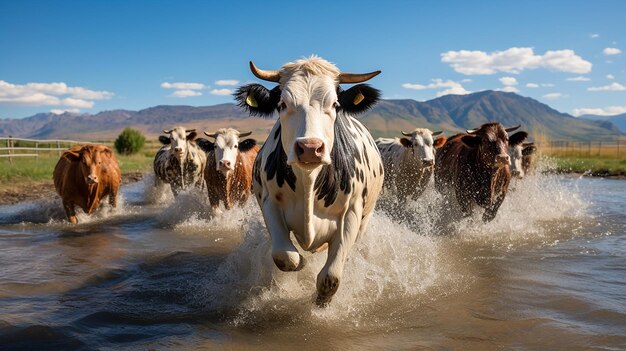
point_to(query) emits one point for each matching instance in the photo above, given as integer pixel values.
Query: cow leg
(69, 211)
(285, 255)
(491, 211)
(329, 277)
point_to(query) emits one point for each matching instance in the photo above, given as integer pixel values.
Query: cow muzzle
(309, 150)
(226, 166)
(92, 179)
(178, 151)
(517, 174)
(428, 162)
(502, 160)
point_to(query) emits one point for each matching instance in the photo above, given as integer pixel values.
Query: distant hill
(618, 120)
(451, 113)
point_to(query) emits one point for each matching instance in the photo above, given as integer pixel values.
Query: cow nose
(503, 160)
(517, 174)
(310, 150)
(225, 164)
(428, 162)
(178, 149)
(92, 179)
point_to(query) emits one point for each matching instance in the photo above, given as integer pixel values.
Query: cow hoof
(73, 220)
(326, 290)
(288, 261)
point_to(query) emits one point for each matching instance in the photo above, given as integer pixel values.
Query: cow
(84, 175)
(319, 173)
(521, 154)
(228, 173)
(474, 167)
(179, 162)
(410, 162)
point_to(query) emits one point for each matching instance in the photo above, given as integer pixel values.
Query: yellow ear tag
(251, 101)
(358, 98)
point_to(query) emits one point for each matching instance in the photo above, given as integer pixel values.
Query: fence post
(9, 146)
(59, 147)
(37, 149)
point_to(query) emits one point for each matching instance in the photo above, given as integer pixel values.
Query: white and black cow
(521, 154)
(179, 162)
(319, 172)
(410, 161)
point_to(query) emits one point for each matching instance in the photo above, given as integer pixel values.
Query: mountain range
(451, 113)
(618, 120)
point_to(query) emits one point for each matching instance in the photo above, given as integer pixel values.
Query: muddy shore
(42, 190)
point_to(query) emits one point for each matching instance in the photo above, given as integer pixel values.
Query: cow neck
(308, 180)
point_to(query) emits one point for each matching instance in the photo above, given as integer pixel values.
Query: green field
(596, 165)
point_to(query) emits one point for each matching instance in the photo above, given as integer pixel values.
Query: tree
(129, 141)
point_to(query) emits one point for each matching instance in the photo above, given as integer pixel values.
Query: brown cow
(475, 166)
(228, 172)
(521, 154)
(84, 175)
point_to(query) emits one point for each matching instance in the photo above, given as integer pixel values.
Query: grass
(27, 170)
(598, 166)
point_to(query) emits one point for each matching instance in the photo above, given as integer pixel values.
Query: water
(157, 273)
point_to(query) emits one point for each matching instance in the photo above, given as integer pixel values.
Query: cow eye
(282, 106)
(236, 146)
(336, 104)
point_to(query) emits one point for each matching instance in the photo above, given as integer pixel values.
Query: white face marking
(308, 111)
(423, 148)
(178, 138)
(515, 153)
(226, 149)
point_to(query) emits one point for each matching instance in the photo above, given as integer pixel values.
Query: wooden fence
(602, 148)
(19, 147)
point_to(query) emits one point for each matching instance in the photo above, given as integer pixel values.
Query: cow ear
(73, 155)
(192, 135)
(439, 142)
(164, 140)
(205, 145)
(107, 151)
(246, 145)
(528, 149)
(358, 99)
(517, 138)
(471, 140)
(406, 142)
(257, 99)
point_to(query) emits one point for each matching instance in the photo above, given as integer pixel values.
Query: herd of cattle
(319, 173)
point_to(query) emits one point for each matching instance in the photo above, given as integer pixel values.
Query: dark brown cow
(475, 168)
(228, 172)
(84, 175)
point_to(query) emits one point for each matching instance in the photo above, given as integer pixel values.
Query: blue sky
(106, 55)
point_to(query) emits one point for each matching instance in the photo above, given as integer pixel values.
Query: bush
(129, 141)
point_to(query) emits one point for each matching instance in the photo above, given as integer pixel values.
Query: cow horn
(352, 78)
(165, 131)
(437, 133)
(510, 129)
(211, 135)
(406, 134)
(269, 75)
(190, 130)
(471, 131)
(245, 134)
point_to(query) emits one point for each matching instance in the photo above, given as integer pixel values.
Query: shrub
(129, 141)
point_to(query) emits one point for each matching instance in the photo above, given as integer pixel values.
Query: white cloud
(49, 94)
(610, 76)
(221, 92)
(509, 89)
(78, 103)
(226, 82)
(594, 36)
(554, 96)
(57, 111)
(514, 60)
(611, 51)
(449, 86)
(466, 80)
(182, 86)
(532, 85)
(578, 79)
(547, 85)
(606, 111)
(185, 93)
(611, 87)
(508, 81)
